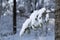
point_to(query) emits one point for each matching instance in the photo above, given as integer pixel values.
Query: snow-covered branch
(35, 20)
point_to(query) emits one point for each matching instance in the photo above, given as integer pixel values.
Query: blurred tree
(57, 17)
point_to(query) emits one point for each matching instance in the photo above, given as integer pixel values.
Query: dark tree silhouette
(0, 7)
(57, 20)
(14, 16)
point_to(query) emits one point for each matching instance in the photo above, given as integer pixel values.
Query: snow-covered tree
(35, 20)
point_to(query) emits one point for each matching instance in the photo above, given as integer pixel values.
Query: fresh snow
(34, 20)
(6, 25)
(10, 1)
(3, 4)
(47, 17)
(25, 25)
(52, 9)
(50, 34)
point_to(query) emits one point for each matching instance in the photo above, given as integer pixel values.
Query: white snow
(49, 29)
(34, 20)
(37, 13)
(6, 25)
(3, 4)
(17, 11)
(40, 18)
(36, 4)
(10, 1)
(33, 16)
(26, 36)
(25, 25)
(4, 14)
(47, 17)
(48, 11)
(52, 9)
(41, 11)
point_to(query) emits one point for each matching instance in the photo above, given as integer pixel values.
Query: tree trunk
(57, 21)
(0, 8)
(14, 16)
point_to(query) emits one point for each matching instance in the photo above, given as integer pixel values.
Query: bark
(57, 21)
(14, 16)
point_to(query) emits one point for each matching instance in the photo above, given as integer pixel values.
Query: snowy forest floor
(6, 27)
